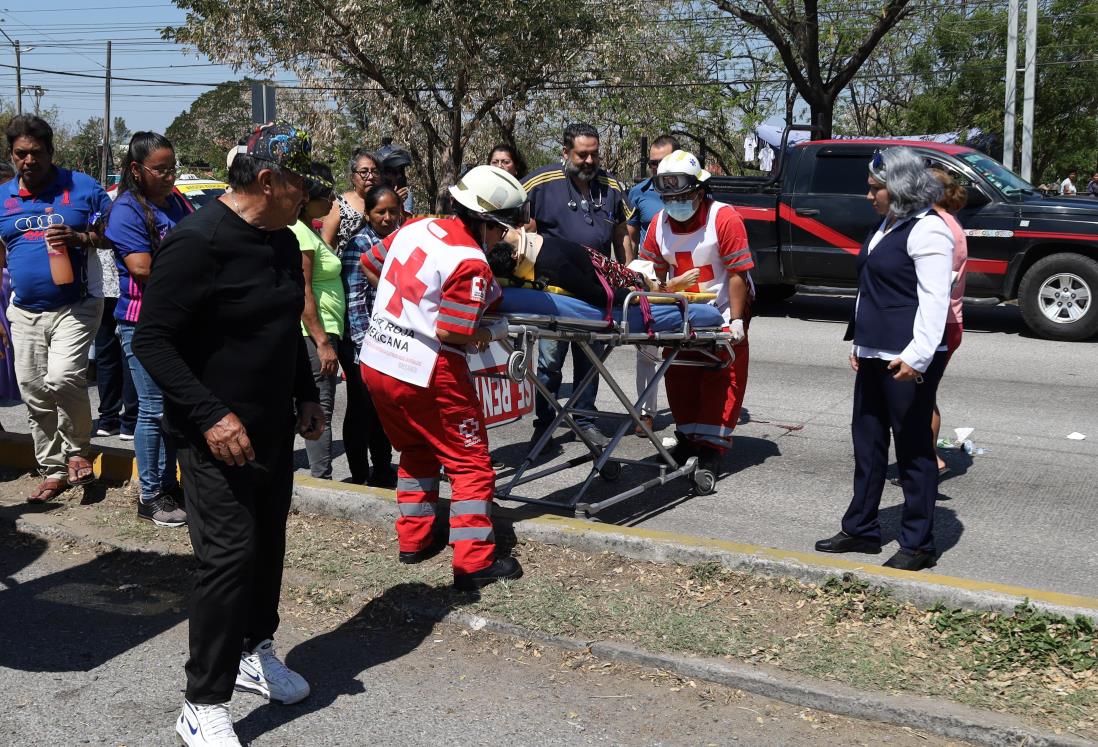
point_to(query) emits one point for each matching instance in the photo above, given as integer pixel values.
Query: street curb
(941, 717)
(110, 463)
(377, 506)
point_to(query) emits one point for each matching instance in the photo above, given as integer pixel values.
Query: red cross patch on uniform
(478, 288)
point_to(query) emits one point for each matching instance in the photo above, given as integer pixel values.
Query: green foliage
(1027, 638)
(854, 598)
(203, 134)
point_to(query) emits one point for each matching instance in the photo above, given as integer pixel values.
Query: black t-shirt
(567, 265)
(220, 328)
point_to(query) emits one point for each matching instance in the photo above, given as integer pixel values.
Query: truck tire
(1057, 297)
(774, 293)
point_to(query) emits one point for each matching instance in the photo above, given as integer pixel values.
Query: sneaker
(104, 432)
(502, 569)
(263, 673)
(126, 436)
(595, 436)
(162, 511)
(206, 726)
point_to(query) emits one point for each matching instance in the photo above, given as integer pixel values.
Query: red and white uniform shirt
(714, 241)
(435, 277)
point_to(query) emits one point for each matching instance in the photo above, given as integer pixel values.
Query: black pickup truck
(807, 223)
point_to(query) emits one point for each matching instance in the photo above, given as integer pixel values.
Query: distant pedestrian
(49, 225)
(394, 161)
(348, 215)
(577, 200)
(117, 395)
(363, 257)
(220, 333)
(325, 309)
(904, 272)
(954, 198)
(1067, 186)
(646, 203)
(1092, 185)
(146, 209)
(508, 158)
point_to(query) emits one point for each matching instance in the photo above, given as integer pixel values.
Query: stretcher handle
(678, 298)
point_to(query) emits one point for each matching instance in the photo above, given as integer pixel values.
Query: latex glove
(498, 329)
(736, 328)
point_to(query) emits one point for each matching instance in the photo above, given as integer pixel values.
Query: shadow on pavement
(947, 527)
(383, 630)
(78, 618)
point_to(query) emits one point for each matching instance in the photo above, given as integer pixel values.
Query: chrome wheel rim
(1064, 298)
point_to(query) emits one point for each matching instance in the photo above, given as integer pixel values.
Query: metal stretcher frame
(527, 329)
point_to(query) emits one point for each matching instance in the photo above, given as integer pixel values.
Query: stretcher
(678, 322)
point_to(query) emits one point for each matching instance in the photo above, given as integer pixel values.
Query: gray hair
(357, 155)
(911, 187)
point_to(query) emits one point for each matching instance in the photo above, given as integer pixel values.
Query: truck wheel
(774, 293)
(1057, 295)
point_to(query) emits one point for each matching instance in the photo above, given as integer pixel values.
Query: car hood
(1079, 208)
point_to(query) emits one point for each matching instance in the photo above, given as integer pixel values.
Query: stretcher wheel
(516, 366)
(705, 481)
(610, 471)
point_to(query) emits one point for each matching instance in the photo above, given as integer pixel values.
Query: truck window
(840, 175)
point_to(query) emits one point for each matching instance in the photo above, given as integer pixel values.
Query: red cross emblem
(407, 287)
(684, 263)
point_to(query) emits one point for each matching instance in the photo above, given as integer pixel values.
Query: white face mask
(680, 211)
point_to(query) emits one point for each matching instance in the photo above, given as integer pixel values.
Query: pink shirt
(960, 263)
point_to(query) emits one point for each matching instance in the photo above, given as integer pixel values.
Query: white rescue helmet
(492, 194)
(679, 173)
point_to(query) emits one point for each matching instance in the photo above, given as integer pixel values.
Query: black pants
(882, 406)
(237, 521)
(362, 430)
(112, 376)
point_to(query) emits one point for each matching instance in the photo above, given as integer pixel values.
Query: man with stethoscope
(579, 201)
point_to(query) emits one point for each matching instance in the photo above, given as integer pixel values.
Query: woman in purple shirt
(144, 211)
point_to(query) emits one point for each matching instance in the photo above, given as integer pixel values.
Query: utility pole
(38, 92)
(103, 168)
(1028, 94)
(18, 72)
(1011, 85)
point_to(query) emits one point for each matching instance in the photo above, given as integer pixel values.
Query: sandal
(47, 490)
(81, 471)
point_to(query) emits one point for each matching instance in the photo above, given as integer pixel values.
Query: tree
(821, 43)
(82, 150)
(213, 123)
(429, 73)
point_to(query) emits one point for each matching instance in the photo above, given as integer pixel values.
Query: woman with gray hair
(904, 278)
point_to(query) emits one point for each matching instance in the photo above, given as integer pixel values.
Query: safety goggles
(674, 184)
(511, 217)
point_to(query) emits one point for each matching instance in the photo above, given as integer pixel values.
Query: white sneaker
(262, 672)
(206, 726)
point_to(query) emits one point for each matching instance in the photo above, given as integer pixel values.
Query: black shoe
(595, 436)
(911, 560)
(683, 449)
(382, 477)
(551, 448)
(106, 431)
(418, 556)
(843, 542)
(503, 569)
(162, 511)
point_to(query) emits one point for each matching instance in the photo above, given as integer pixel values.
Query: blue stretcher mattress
(666, 317)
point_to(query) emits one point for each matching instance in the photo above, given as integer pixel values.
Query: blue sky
(67, 36)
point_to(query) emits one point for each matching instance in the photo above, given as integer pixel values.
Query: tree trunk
(823, 115)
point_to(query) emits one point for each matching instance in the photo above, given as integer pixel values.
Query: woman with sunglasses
(695, 232)
(348, 214)
(146, 208)
(905, 272)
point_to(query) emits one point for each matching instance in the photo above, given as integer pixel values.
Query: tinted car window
(840, 175)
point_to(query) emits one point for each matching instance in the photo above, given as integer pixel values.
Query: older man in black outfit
(220, 334)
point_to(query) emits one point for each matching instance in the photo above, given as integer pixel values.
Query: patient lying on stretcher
(579, 270)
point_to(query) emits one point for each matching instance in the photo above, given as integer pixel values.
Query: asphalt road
(1018, 514)
(92, 650)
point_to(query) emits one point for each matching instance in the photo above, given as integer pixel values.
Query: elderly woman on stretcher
(706, 243)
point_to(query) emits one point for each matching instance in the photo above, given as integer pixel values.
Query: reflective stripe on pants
(433, 427)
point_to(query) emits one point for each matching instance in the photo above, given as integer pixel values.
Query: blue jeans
(551, 355)
(155, 456)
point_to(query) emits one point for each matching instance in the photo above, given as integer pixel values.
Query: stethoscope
(572, 195)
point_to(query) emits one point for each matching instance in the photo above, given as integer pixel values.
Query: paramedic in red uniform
(432, 290)
(695, 232)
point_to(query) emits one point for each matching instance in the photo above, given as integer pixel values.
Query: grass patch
(1039, 666)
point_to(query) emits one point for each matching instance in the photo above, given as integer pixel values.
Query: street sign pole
(1028, 93)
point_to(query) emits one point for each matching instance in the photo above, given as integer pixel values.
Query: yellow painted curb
(581, 527)
(109, 462)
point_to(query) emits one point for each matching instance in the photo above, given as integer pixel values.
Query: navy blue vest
(888, 291)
